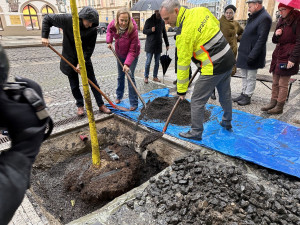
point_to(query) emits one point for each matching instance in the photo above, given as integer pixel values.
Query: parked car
(102, 27)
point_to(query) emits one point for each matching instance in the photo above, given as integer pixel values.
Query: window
(47, 10)
(30, 18)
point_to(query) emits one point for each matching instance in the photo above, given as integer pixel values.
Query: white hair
(170, 5)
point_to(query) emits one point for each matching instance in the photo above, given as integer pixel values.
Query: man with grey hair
(199, 36)
(252, 50)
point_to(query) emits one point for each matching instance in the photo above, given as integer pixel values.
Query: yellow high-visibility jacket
(199, 36)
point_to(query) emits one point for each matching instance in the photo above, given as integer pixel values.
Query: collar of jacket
(181, 16)
(256, 14)
(223, 19)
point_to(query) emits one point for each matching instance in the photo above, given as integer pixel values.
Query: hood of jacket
(90, 14)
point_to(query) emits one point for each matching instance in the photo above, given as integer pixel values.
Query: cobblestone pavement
(42, 65)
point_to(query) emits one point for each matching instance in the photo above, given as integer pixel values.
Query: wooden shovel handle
(177, 102)
(74, 68)
(129, 78)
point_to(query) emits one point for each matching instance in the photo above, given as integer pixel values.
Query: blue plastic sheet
(267, 142)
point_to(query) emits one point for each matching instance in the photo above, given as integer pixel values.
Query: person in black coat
(252, 50)
(25, 123)
(88, 20)
(154, 29)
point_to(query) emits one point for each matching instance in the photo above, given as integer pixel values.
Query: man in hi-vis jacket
(199, 36)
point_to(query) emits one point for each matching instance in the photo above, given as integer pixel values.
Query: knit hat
(230, 7)
(281, 5)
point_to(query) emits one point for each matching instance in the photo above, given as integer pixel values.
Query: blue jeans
(148, 62)
(133, 98)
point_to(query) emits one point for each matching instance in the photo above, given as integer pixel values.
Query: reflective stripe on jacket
(199, 36)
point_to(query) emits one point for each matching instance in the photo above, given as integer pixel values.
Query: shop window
(30, 18)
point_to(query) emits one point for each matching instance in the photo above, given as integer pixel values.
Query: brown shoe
(118, 101)
(80, 111)
(156, 79)
(146, 81)
(271, 105)
(104, 109)
(278, 109)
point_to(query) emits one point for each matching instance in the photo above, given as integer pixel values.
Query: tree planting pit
(73, 188)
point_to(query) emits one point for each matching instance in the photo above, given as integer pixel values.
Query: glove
(251, 62)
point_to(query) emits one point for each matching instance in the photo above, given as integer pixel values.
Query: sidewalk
(55, 40)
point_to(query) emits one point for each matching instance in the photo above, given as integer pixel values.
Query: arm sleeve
(239, 32)
(52, 20)
(185, 53)
(132, 49)
(147, 29)
(263, 32)
(295, 55)
(165, 35)
(109, 34)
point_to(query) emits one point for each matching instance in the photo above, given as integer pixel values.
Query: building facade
(242, 9)
(23, 17)
(107, 9)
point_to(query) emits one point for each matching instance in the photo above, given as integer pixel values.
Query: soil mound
(160, 108)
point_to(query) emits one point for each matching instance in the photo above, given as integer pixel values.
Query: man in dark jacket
(89, 20)
(25, 119)
(252, 50)
(154, 28)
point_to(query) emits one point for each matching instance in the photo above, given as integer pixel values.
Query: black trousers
(74, 84)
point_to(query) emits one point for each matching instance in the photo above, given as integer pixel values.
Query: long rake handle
(74, 68)
(129, 78)
(177, 102)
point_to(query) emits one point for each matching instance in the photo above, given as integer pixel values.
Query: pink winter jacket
(128, 45)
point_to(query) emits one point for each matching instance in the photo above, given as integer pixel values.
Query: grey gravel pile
(200, 190)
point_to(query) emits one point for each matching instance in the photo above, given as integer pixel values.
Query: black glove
(251, 62)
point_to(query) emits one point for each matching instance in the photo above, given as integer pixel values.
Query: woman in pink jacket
(127, 44)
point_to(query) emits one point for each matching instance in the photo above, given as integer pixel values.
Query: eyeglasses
(281, 9)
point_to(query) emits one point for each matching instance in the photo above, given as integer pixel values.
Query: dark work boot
(278, 108)
(246, 100)
(190, 136)
(240, 97)
(271, 105)
(226, 126)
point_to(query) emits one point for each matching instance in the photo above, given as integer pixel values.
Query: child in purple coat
(127, 45)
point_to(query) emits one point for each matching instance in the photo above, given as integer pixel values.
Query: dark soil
(160, 108)
(75, 188)
(200, 190)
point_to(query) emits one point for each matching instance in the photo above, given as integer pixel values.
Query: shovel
(150, 138)
(98, 89)
(129, 78)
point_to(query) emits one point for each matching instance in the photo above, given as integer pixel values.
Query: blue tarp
(267, 142)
